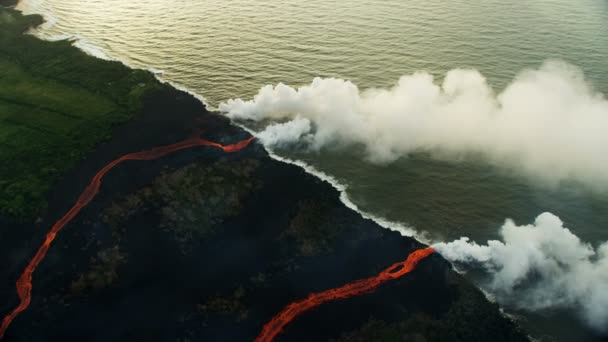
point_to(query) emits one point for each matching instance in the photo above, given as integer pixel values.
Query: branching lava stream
(24, 283)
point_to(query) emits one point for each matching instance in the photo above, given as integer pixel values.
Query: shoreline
(341, 188)
(99, 53)
(77, 176)
(403, 229)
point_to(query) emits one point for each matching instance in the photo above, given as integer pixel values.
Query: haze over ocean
(228, 50)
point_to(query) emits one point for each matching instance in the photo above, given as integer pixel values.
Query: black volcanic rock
(206, 246)
(8, 3)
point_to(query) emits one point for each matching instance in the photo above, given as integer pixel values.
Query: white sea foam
(92, 49)
(342, 189)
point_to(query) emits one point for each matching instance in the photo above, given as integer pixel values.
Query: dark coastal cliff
(206, 246)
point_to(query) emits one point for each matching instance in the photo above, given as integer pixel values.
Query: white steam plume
(290, 132)
(548, 123)
(541, 266)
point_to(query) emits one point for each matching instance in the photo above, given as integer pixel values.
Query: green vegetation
(8, 2)
(191, 201)
(418, 329)
(310, 229)
(469, 306)
(103, 271)
(56, 104)
(230, 306)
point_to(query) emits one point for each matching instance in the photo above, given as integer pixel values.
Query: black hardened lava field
(340, 171)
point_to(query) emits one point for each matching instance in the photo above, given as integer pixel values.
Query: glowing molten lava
(278, 322)
(24, 283)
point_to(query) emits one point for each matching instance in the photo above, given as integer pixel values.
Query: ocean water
(229, 49)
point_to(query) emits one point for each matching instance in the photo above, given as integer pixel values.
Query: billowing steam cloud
(286, 133)
(547, 123)
(541, 266)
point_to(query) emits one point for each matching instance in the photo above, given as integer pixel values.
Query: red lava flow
(291, 311)
(24, 283)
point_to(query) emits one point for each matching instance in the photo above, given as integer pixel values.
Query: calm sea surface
(227, 49)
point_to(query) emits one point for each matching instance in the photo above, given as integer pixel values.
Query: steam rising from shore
(541, 266)
(548, 123)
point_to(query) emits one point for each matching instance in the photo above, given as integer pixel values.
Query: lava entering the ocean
(291, 311)
(24, 283)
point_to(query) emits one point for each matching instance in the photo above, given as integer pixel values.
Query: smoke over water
(540, 266)
(548, 124)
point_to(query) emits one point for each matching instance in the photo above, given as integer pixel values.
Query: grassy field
(56, 104)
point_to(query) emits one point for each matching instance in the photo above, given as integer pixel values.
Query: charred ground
(205, 246)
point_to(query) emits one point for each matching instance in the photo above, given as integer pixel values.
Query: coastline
(157, 129)
(341, 188)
